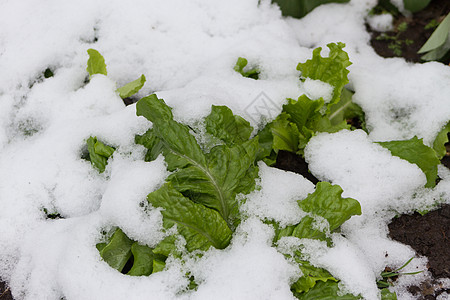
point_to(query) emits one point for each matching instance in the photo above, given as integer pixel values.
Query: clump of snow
(316, 89)
(365, 170)
(381, 23)
(251, 268)
(277, 197)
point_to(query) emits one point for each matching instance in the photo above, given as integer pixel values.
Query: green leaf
(440, 140)
(232, 129)
(265, 139)
(143, 260)
(331, 69)
(346, 109)
(96, 63)
(179, 147)
(437, 44)
(99, 153)
(311, 275)
(303, 230)
(285, 134)
(150, 141)
(437, 47)
(326, 201)
(118, 251)
(304, 112)
(167, 247)
(211, 179)
(131, 88)
(241, 64)
(202, 227)
(217, 184)
(158, 265)
(388, 295)
(328, 290)
(416, 5)
(300, 8)
(415, 152)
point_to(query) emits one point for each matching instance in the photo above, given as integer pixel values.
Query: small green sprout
(389, 275)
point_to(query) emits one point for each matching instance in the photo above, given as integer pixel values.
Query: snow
(381, 22)
(278, 195)
(316, 89)
(187, 50)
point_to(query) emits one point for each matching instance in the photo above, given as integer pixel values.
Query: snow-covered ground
(187, 50)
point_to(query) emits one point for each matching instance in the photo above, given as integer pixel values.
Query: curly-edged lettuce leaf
(331, 69)
(96, 63)
(285, 134)
(213, 179)
(415, 152)
(440, 140)
(345, 110)
(98, 153)
(241, 63)
(201, 227)
(326, 201)
(142, 260)
(117, 252)
(230, 128)
(131, 88)
(328, 290)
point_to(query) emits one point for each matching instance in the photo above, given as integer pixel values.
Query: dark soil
(428, 235)
(414, 37)
(289, 161)
(5, 293)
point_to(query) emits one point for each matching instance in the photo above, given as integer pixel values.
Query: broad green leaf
(303, 230)
(437, 44)
(202, 227)
(100, 246)
(416, 5)
(158, 265)
(96, 63)
(150, 141)
(285, 134)
(102, 149)
(98, 153)
(414, 151)
(167, 247)
(118, 251)
(143, 260)
(440, 140)
(241, 63)
(311, 275)
(331, 69)
(265, 139)
(232, 129)
(179, 147)
(217, 184)
(328, 290)
(388, 295)
(326, 201)
(211, 179)
(131, 88)
(300, 8)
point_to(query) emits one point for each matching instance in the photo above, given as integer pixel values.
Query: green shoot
(390, 275)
